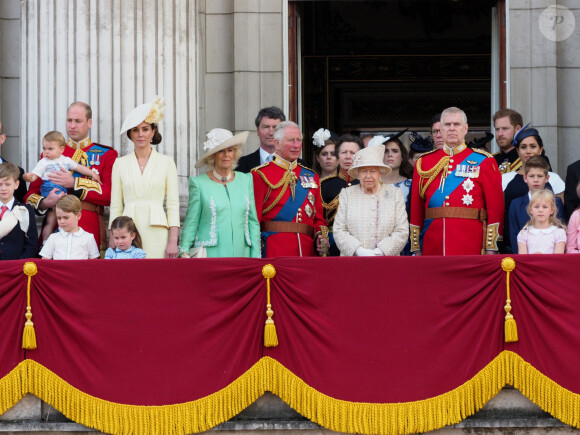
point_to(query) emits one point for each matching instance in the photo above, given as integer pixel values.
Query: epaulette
(480, 151)
(259, 167)
(495, 154)
(306, 167)
(428, 152)
(101, 146)
(328, 178)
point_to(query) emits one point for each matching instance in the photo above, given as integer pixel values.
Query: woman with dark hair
(528, 144)
(346, 147)
(326, 162)
(145, 179)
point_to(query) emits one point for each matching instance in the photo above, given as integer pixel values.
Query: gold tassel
(510, 328)
(270, 336)
(28, 335)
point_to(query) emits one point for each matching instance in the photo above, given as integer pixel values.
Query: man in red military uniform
(288, 200)
(100, 158)
(457, 200)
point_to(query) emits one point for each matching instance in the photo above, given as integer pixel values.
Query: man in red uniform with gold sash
(288, 200)
(100, 158)
(457, 200)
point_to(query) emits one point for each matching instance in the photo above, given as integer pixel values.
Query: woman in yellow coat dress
(143, 180)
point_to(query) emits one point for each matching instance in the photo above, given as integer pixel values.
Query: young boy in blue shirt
(18, 234)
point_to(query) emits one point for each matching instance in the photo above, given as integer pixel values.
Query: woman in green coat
(221, 217)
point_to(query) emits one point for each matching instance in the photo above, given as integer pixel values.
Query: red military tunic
(95, 196)
(275, 205)
(450, 188)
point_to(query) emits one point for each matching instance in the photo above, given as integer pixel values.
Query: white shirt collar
(64, 233)
(542, 230)
(9, 204)
(264, 155)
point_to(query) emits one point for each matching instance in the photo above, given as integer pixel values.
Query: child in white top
(53, 144)
(71, 242)
(573, 230)
(544, 233)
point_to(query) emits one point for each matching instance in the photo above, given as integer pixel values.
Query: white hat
(219, 139)
(320, 137)
(149, 112)
(369, 156)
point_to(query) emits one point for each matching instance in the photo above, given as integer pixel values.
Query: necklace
(221, 178)
(146, 160)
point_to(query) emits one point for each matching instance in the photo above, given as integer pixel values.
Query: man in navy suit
(21, 190)
(18, 233)
(266, 121)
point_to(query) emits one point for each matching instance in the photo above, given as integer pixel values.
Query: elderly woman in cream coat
(371, 217)
(143, 180)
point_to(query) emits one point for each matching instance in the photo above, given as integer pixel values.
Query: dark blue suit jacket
(17, 245)
(518, 217)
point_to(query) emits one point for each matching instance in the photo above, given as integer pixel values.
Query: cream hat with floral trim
(369, 156)
(151, 112)
(219, 139)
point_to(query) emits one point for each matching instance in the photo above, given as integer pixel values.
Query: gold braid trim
(430, 174)
(286, 179)
(81, 158)
(329, 208)
(270, 375)
(332, 205)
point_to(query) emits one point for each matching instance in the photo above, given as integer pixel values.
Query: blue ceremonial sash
(290, 209)
(452, 182)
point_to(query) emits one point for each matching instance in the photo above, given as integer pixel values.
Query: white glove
(378, 251)
(363, 252)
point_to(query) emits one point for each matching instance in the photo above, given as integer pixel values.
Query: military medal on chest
(308, 182)
(470, 170)
(468, 187)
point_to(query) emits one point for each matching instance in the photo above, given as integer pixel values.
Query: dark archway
(385, 65)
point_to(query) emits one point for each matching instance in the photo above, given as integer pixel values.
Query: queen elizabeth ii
(371, 217)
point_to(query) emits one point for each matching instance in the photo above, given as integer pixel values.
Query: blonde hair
(55, 136)
(550, 198)
(69, 204)
(210, 161)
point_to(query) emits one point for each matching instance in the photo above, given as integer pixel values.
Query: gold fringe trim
(387, 418)
(189, 417)
(12, 387)
(270, 375)
(429, 414)
(560, 402)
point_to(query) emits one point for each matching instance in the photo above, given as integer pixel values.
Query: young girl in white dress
(544, 233)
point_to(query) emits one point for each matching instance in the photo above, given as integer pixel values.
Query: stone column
(10, 78)
(113, 55)
(544, 79)
(242, 63)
